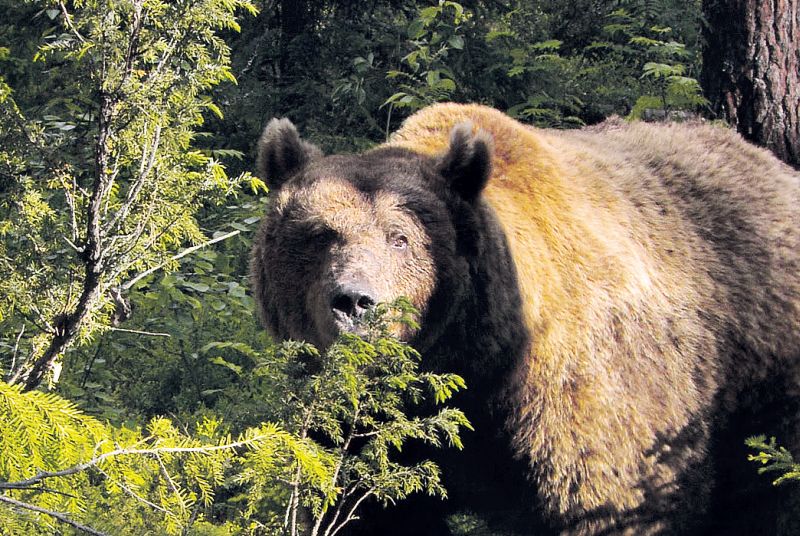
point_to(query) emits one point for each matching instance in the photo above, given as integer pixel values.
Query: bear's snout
(349, 302)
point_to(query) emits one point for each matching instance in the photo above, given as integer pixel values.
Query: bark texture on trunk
(751, 70)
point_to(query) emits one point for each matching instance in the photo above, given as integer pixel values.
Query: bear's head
(343, 233)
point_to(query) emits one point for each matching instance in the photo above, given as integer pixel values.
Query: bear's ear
(281, 152)
(467, 163)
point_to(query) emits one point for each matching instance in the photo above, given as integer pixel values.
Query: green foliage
(433, 36)
(664, 64)
(164, 362)
(358, 399)
(773, 459)
(123, 147)
(556, 102)
(105, 185)
(58, 466)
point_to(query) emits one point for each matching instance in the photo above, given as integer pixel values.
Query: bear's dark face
(343, 233)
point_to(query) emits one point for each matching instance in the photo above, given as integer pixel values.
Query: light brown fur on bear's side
(648, 257)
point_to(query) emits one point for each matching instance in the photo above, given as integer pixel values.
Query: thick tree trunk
(751, 70)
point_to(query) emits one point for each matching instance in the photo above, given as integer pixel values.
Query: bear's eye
(399, 241)
(303, 236)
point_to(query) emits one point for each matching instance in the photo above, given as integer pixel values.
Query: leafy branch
(773, 459)
(357, 396)
(167, 470)
(433, 36)
(125, 207)
(57, 515)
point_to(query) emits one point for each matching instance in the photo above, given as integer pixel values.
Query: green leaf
(429, 13)
(198, 287)
(227, 364)
(456, 41)
(550, 44)
(416, 29)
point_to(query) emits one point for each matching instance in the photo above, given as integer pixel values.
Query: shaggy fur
(617, 298)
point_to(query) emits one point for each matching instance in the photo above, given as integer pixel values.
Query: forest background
(140, 395)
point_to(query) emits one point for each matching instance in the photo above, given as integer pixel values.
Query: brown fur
(647, 257)
(363, 227)
(623, 290)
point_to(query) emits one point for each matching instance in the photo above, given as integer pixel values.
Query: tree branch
(68, 325)
(57, 515)
(139, 332)
(336, 472)
(172, 486)
(43, 475)
(16, 349)
(68, 22)
(350, 515)
(145, 168)
(133, 494)
(187, 251)
(70, 199)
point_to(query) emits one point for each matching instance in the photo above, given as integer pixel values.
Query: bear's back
(710, 216)
(734, 201)
(650, 259)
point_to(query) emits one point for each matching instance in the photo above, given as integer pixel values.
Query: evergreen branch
(57, 515)
(338, 469)
(43, 475)
(133, 494)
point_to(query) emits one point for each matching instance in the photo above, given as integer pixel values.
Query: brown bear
(623, 302)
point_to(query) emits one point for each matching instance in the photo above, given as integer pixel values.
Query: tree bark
(751, 70)
(69, 325)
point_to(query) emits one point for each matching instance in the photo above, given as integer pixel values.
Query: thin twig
(139, 332)
(132, 240)
(351, 514)
(72, 244)
(57, 515)
(49, 328)
(180, 255)
(389, 119)
(336, 472)
(43, 489)
(70, 198)
(172, 486)
(16, 349)
(68, 21)
(132, 493)
(294, 502)
(192, 518)
(146, 165)
(88, 369)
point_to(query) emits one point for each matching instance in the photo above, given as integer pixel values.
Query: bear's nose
(352, 301)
